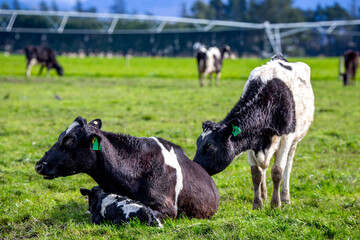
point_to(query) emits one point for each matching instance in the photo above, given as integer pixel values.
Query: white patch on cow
(205, 133)
(74, 124)
(171, 160)
(129, 208)
(110, 199)
(32, 62)
(272, 69)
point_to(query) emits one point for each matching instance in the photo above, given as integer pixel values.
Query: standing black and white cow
(105, 206)
(43, 56)
(210, 61)
(274, 113)
(153, 171)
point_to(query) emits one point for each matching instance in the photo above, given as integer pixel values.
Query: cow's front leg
(257, 177)
(202, 77)
(276, 175)
(263, 186)
(281, 159)
(210, 79)
(218, 75)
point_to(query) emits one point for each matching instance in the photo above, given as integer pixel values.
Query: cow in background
(351, 64)
(43, 56)
(210, 61)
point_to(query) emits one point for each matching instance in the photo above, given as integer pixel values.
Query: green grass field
(161, 97)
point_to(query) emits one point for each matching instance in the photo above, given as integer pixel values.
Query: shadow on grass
(71, 211)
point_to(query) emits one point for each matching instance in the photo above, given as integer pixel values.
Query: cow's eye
(69, 141)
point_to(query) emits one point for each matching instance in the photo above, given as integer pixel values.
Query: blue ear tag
(96, 144)
(235, 131)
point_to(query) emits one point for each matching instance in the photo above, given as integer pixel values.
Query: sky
(162, 7)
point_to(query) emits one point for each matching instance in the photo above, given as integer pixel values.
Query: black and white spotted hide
(117, 209)
(274, 113)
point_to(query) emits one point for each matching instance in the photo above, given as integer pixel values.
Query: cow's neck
(253, 122)
(112, 171)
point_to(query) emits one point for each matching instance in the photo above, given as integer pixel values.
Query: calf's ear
(232, 128)
(96, 123)
(85, 192)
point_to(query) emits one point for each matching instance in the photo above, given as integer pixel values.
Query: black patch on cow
(264, 110)
(201, 60)
(286, 66)
(279, 57)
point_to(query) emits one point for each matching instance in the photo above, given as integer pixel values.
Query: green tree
(184, 12)
(5, 5)
(216, 10)
(118, 6)
(274, 11)
(236, 10)
(335, 12)
(92, 9)
(199, 9)
(54, 6)
(16, 5)
(43, 6)
(78, 6)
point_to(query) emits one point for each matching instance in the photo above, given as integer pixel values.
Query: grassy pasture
(161, 97)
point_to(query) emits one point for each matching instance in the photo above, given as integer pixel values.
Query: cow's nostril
(39, 167)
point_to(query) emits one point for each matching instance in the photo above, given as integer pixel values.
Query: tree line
(243, 42)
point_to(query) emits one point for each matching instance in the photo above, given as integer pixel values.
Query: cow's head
(60, 70)
(215, 146)
(73, 152)
(226, 49)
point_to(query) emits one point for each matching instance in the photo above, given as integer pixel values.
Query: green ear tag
(236, 130)
(96, 144)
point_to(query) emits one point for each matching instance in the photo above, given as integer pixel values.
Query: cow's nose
(39, 167)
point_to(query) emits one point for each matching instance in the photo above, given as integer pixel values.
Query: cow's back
(297, 77)
(200, 196)
(196, 194)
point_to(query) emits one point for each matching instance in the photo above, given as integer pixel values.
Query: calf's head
(215, 146)
(94, 196)
(73, 152)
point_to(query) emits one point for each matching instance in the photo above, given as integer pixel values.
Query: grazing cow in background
(210, 61)
(351, 64)
(118, 209)
(43, 56)
(274, 113)
(153, 171)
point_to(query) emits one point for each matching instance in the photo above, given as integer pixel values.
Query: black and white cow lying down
(105, 206)
(273, 114)
(43, 56)
(153, 171)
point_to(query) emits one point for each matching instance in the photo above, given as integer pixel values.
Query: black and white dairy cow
(105, 206)
(153, 171)
(272, 116)
(210, 61)
(43, 56)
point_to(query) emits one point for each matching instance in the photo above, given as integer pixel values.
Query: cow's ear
(207, 125)
(85, 192)
(232, 129)
(95, 141)
(93, 138)
(80, 120)
(96, 123)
